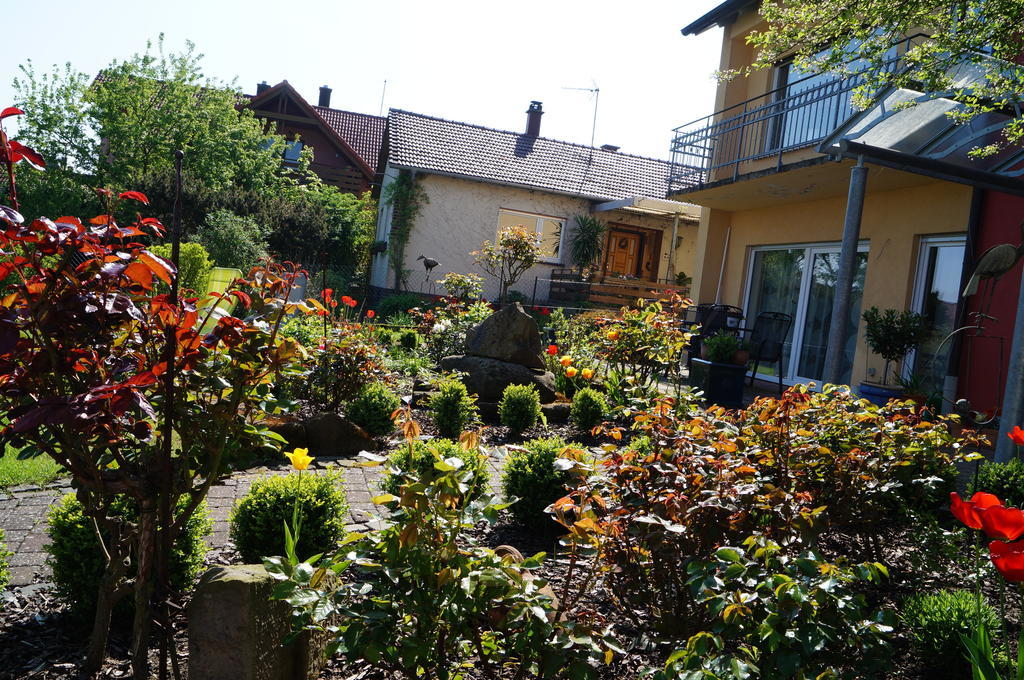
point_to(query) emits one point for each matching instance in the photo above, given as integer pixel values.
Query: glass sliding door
(936, 291)
(801, 281)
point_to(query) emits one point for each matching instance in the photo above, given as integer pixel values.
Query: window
(936, 293)
(549, 229)
(292, 151)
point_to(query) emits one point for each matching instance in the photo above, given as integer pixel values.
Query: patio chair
(712, 318)
(767, 339)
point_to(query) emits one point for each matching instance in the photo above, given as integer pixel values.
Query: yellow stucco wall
(892, 224)
(460, 214)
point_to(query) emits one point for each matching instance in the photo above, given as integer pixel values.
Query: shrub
(462, 286)
(519, 408)
(398, 304)
(531, 477)
(452, 408)
(422, 597)
(232, 240)
(5, 573)
(193, 266)
(588, 408)
(257, 520)
(1005, 480)
(409, 339)
(372, 409)
(308, 330)
(935, 621)
(346, 363)
(77, 561)
(418, 461)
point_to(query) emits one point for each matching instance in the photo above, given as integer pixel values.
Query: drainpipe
(951, 381)
(672, 249)
(847, 269)
(1013, 399)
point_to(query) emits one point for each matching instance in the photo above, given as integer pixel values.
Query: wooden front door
(623, 253)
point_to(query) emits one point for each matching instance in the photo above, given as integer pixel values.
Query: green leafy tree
(516, 250)
(859, 37)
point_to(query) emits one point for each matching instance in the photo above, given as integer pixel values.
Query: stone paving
(23, 511)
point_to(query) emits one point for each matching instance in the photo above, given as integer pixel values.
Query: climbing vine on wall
(406, 197)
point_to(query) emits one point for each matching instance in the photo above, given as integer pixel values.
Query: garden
(539, 492)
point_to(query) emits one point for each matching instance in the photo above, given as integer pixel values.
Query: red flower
(552, 350)
(1017, 435)
(370, 314)
(328, 292)
(345, 299)
(1008, 558)
(968, 511)
(1002, 522)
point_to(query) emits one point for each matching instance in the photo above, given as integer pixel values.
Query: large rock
(329, 436)
(236, 631)
(507, 335)
(488, 378)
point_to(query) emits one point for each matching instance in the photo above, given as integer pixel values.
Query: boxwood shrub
(452, 408)
(1005, 480)
(419, 463)
(519, 408)
(257, 520)
(76, 557)
(588, 408)
(531, 477)
(934, 623)
(372, 409)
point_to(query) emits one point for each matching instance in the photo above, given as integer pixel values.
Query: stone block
(235, 631)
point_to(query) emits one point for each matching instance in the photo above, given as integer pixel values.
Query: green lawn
(38, 470)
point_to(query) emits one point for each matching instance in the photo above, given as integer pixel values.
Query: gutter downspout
(672, 248)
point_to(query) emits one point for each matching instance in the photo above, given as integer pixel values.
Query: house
(346, 145)
(820, 211)
(478, 181)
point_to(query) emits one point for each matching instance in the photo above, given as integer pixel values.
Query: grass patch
(38, 470)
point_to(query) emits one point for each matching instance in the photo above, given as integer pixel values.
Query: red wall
(982, 375)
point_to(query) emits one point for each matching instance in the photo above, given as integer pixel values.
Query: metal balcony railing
(797, 115)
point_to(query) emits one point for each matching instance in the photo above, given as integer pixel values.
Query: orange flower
(1017, 435)
(370, 314)
(566, 360)
(587, 373)
(613, 334)
(571, 372)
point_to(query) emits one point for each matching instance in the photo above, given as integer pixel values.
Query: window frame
(538, 228)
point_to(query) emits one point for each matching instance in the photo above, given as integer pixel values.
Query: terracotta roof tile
(363, 132)
(476, 152)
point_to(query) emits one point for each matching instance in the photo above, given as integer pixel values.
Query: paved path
(23, 512)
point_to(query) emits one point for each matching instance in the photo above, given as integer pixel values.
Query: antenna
(596, 91)
(382, 92)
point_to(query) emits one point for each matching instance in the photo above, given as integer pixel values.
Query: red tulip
(1008, 558)
(545, 311)
(552, 350)
(1002, 522)
(328, 292)
(370, 314)
(968, 511)
(1017, 435)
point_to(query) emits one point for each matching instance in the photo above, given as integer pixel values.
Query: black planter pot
(722, 384)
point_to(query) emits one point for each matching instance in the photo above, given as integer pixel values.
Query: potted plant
(891, 334)
(720, 371)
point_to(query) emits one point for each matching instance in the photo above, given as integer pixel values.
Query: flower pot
(722, 384)
(879, 394)
(742, 357)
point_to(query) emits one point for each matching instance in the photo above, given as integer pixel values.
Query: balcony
(756, 134)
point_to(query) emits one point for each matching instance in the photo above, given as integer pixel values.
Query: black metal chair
(767, 340)
(712, 318)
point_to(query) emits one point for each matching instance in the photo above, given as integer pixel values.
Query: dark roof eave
(724, 14)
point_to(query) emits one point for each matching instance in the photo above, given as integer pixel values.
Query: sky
(477, 62)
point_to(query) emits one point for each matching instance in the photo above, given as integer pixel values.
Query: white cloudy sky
(479, 62)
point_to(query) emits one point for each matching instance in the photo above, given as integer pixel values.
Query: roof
(721, 15)
(475, 152)
(363, 132)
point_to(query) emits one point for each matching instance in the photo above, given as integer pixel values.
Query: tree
(858, 35)
(516, 250)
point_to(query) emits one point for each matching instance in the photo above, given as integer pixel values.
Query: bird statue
(428, 264)
(992, 264)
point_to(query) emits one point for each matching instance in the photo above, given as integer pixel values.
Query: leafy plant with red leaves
(134, 392)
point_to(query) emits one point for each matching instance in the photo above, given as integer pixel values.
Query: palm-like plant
(587, 241)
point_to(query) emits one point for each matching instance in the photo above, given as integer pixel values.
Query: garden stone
(329, 435)
(235, 630)
(507, 335)
(488, 378)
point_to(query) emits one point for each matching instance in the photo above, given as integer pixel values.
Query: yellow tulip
(566, 360)
(571, 372)
(587, 374)
(300, 458)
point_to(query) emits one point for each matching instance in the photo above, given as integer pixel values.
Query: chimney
(262, 87)
(325, 96)
(533, 115)
(610, 147)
